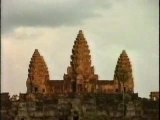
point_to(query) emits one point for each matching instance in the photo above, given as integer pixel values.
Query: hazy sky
(52, 26)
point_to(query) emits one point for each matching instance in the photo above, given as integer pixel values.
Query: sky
(51, 26)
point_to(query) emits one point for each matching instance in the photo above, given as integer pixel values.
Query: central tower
(80, 73)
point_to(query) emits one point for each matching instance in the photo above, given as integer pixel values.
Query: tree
(123, 76)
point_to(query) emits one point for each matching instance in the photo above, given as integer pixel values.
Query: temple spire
(124, 52)
(80, 35)
(81, 58)
(36, 53)
(80, 72)
(124, 65)
(38, 74)
(80, 32)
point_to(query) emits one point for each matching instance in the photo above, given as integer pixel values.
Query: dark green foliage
(149, 104)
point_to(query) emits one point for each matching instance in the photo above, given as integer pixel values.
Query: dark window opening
(116, 90)
(124, 89)
(36, 89)
(22, 118)
(63, 118)
(43, 90)
(75, 115)
(75, 118)
(74, 86)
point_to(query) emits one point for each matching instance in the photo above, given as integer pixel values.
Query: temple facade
(80, 76)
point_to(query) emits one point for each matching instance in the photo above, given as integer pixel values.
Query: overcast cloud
(48, 13)
(52, 26)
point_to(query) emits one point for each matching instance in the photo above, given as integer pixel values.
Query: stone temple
(81, 95)
(80, 77)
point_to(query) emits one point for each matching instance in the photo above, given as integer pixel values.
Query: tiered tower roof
(37, 68)
(81, 58)
(123, 65)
